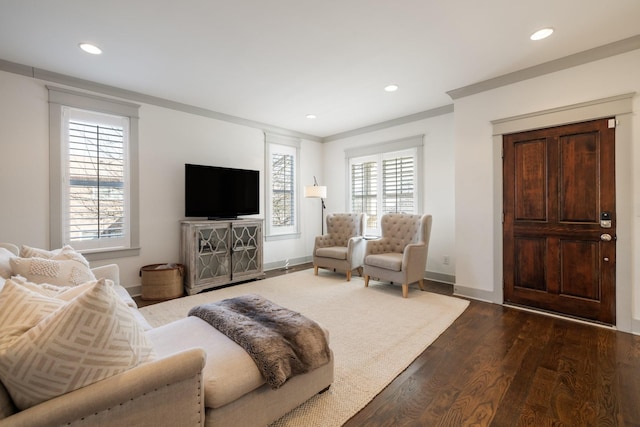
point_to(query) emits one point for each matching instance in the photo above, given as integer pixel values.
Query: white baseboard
(478, 294)
(287, 263)
(440, 277)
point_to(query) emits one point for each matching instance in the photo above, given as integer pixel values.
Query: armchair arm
(167, 391)
(414, 260)
(110, 271)
(355, 250)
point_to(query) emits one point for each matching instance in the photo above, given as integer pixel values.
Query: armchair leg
(349, 276)
(315, 270)
(405, 290)
(360, 271)
(421, 284)
(366, 281)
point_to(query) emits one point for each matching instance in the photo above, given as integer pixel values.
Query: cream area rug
(374, 332)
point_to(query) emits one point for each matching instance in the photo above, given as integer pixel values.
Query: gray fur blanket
(282, 343)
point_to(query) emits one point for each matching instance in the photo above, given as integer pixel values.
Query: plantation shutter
(283, 203)
(364, 184)
(281, 186)
(398, 185)
(385, 178)
(96, 177)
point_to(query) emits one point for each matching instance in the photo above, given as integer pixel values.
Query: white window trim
(58, 99)
(273, 140)
(413, 144)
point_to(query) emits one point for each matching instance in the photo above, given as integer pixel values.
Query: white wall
(167, 140)
(478, 233)
(438, 195)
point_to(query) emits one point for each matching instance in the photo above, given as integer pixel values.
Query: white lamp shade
(315, 191)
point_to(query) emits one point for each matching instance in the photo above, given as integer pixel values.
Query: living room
(461, 156)
(461, 164)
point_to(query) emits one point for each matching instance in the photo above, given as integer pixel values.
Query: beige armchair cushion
(390, 261)
(335, 252)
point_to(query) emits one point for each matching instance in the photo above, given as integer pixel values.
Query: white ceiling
(276, 61)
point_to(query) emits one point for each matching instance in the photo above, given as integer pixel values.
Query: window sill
(275, 237)
(102, 254)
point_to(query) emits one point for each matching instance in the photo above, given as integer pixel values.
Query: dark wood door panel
(580, 269)
(579, 175)
(530, 263)
(531, 180)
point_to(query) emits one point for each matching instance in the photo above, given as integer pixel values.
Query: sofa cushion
(65, 272)
(229, 372)
(389, 261)
(335, 252)
(91, 337)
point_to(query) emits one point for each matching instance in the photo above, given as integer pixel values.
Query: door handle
(606, 237)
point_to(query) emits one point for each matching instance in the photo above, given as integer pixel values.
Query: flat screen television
(216, 192)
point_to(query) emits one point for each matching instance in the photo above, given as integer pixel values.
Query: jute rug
(374, 332)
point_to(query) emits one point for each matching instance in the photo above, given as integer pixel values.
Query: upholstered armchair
(400, 255)
(342, 248)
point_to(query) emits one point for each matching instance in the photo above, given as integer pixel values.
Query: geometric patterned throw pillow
(91, 337)
(21, 309)
(66, 272)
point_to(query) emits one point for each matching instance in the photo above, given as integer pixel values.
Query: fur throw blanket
(282, 343)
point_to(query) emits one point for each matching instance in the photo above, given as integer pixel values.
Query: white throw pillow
(66, 252)
(67, 272)
(53, 358)
(5, 266)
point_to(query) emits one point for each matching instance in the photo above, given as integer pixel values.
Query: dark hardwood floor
(502, 366)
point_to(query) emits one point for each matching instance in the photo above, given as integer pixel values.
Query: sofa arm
(167, 391)
(110, 271)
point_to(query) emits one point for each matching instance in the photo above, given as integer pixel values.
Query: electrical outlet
(445, 260)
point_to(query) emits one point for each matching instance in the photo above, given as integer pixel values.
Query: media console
(220, 252)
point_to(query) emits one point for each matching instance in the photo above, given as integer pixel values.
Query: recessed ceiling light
(90, 48)
(310, 116)
(391, 88)
(541, 34)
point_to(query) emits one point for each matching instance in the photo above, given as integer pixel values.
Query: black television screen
(217, 192)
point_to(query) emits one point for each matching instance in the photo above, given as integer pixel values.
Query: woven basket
(162, 283)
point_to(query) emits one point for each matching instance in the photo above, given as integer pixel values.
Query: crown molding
(63, 79)
(439, 111)
(580, 58)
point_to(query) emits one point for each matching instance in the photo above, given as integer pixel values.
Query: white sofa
(199, 377)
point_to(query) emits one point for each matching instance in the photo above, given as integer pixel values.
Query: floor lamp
(316, 191)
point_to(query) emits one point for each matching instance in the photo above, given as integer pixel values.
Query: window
(94, 175)
(385, 178)
(93, 146)
(281, 186)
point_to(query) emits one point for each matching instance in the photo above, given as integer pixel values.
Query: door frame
(620, 107)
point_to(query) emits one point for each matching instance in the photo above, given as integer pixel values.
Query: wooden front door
(559, 193)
